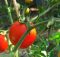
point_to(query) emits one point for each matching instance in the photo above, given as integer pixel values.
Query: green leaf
(50, 23)
(55, 36)
(7, 55)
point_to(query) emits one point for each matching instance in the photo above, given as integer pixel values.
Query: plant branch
(16, 7)
(9, 12)
(49, 9)
(46, 11)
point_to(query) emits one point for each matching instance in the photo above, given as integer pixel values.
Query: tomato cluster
(17, 30)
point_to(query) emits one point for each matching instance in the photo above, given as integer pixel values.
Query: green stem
(46, 11)
(9, 12)
(16, 53)
(49, 9)
(21, 40)
(47, 54)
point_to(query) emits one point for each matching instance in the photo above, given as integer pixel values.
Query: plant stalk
(9, 12)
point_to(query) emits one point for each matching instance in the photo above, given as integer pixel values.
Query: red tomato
(17, 30)
(3, 43)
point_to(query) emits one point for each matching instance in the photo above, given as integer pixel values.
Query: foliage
(45, 16)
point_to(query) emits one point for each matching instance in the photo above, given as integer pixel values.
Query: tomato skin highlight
(17, 30)
(30, 38)
(3, 43)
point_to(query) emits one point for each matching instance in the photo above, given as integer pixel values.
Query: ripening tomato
(27, 11)
(3, 43)
(17, 30)
(28, 1)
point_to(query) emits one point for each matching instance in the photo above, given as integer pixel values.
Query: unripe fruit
(28, 1)
(27, 11)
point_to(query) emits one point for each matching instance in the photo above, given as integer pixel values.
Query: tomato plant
(17, 30)
(43, 15)
(3, 43)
